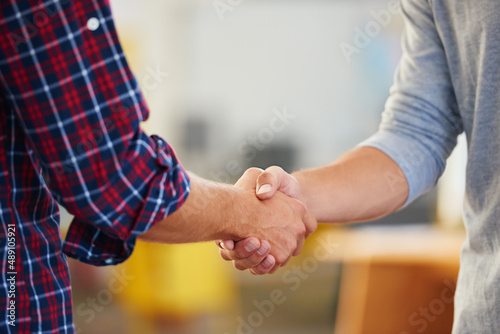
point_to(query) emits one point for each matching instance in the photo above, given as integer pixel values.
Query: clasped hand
(283, 223)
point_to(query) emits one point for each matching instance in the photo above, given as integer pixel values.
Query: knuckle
(299, 208)
(224, 255)
(238, 254)
(301, 230)
(274, 169)
(296, 253)
(238, 266)
(241, 253)
(286, 262)
(266, 177)
(314, 227)
(280, 258)
(293, 248)
(308, 233)
(254, 260)
(253, 170)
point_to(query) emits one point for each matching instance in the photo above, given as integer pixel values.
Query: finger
(275, 178)
(298, 250)
(310, 222)
(277, 266)
(267, 184)
(247, 247)
(254, 265)
(242, 249)
(238, 266)
(227, 244)
(256, 258)
(225, 254)
(280, 263)
(286, 262)
(265, 266)
(248, 179)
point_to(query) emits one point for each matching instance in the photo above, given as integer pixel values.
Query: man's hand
(251, 253)
(215, 211)
(281, 232)
(363, 184)
(276, 179)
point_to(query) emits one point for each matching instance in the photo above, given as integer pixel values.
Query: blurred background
(233, 84)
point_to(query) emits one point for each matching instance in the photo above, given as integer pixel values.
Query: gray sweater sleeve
(421, 122)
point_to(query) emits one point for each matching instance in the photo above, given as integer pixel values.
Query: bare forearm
(216, 211)
(203, 217)
(361, 185)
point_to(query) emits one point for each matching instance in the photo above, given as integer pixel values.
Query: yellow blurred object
(172, 280)
(179, 281)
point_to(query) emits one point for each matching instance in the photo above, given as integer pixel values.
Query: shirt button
(93, 24)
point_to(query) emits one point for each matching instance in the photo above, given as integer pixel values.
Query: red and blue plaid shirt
(70, 111)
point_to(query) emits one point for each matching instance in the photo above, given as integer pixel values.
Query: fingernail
(267, 263)
(251, 246)
(262, 250)
(265, 188)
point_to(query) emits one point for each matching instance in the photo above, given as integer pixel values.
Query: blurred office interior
(235, 84)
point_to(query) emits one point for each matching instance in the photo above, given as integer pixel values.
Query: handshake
(262, 221)
(274, 222)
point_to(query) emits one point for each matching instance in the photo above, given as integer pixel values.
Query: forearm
(216, 211)
(361, 185)
(206, 215)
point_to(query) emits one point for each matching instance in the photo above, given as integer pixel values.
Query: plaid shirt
(70, 108)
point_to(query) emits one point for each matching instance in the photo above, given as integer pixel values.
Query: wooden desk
(396, 280)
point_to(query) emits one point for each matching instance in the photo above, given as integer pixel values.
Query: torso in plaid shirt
(70, 108)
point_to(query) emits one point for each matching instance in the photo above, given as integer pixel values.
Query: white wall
(263, 55)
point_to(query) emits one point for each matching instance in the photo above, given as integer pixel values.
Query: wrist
(217, 208)
(311, 192)
(238, 210)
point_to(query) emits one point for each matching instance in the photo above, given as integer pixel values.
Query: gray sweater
(448, 82)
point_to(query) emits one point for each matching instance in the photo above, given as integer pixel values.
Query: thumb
(248, 179)
(227, 244)
(273, 179)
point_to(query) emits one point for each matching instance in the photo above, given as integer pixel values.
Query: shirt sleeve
(65, 74)
(420, 124)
